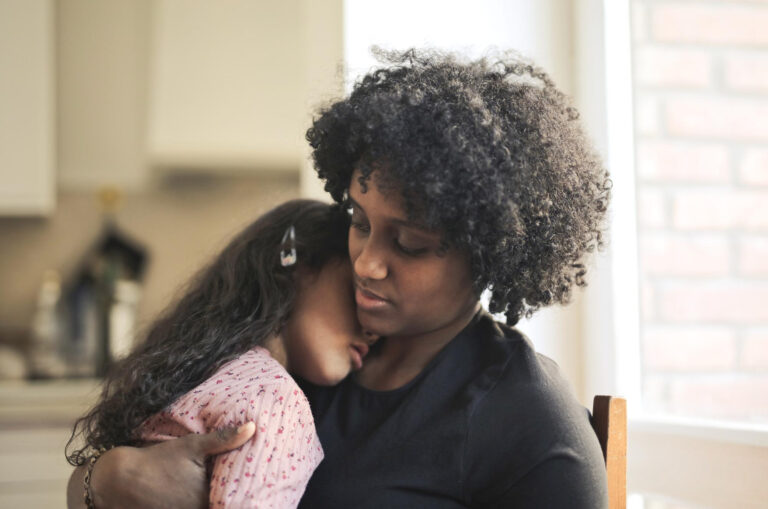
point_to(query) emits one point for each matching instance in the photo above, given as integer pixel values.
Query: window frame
(692, 460)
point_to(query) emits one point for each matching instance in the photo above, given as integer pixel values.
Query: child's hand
(168, 474)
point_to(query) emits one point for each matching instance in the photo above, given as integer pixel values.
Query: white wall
(323, 34)
(539, 29)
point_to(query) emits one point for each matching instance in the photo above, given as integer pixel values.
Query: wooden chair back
(609, 419)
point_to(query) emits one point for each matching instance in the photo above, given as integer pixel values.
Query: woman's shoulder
(510, 352)
(503, 354)
(529, 419)
(518, 384)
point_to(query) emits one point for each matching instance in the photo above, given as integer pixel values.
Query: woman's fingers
(219, 441)
(167, 474)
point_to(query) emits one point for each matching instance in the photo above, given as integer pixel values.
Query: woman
(460, 177)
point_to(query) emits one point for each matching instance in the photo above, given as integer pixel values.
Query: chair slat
(609, 419)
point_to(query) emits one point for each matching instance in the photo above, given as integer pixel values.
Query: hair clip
(288, 248)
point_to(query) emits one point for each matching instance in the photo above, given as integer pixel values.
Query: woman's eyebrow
(355, 207)
(354, 204)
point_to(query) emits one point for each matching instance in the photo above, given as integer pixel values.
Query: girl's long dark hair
(241, 299)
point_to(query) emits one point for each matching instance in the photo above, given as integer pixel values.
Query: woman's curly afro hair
(488, 152)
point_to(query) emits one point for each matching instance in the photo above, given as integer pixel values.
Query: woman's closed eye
(407, 247)
(360, 226)
(410, 250)
(404, 240)
(357, 220)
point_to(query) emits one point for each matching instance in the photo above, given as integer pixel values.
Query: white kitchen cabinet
(228, 85)
(102, 54)
(27, 107)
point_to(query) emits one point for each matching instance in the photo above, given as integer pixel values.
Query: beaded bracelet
(87, 479)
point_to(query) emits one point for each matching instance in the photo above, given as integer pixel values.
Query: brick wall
(701, 122)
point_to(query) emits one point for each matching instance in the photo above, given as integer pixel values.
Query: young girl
(278, 298)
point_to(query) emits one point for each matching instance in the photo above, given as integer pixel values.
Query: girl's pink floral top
(273, 468)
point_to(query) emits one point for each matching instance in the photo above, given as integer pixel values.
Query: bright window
(700, 80)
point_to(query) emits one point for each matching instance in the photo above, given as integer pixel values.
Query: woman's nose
(370, 263)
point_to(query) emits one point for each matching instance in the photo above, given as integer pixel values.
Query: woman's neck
(401, 358)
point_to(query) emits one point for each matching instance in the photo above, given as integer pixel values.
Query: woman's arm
(530, 444)
(564, 480)
(75, 495)
(168, 474)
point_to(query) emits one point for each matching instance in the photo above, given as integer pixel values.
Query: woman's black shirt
(488, 423)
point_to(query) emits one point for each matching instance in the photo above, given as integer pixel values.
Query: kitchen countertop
(46, 403)
(36, 419)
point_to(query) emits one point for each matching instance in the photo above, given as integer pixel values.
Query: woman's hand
(168, 474)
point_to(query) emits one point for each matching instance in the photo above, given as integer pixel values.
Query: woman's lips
(368, 300)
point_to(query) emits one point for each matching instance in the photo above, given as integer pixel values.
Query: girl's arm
(168, 474)
(273, 468)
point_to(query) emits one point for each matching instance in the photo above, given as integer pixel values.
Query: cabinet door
(227, 85)
(27, 122)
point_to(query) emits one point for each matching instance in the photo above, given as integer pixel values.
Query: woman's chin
(371, 324)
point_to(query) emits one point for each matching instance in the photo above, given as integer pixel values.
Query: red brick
(651, 208)
(673, 67)
(683, 349)
(667, 254)
(753, 256)
(723, 397)
(754, 167)
(717, 24)
(717, 117)
(724, 303)
(702, 210)
(720, 210)
(754, 350)
(750, 210)
(669, 161)
(747, 73)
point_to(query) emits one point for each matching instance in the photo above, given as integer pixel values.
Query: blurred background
(136, 137)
